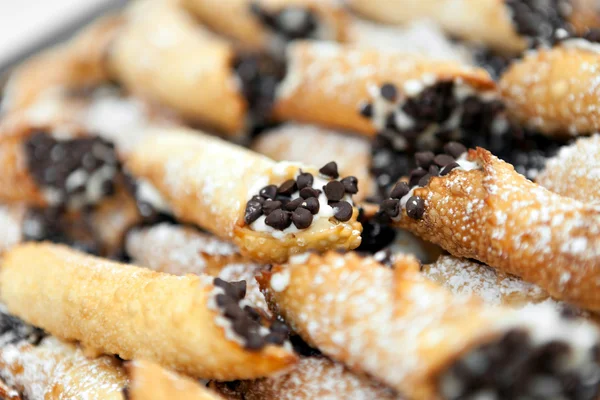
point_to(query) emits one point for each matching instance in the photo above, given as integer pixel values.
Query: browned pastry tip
(554, 90)
(478, 207)
(80, 62)
(326, 84)
(150, 381)
(575, 171)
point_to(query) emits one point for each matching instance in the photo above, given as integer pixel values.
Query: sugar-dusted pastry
(310, 144)
(271, 24)
(163, 55)
(575, 171)
(554, 90)
(310, 378)
(366, 90)
(186, 323)
(423, 37)
(45, 368)
(476, 206)
(467, 277)
(180, 250)
(77, 63)
(269, 210)
(150, 381)
(422, 340)
(508, 26)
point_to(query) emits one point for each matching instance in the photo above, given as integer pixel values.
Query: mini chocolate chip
(424, 159)
(270, 205)
(424, 180)
(252, 313)
(415, 207)
(389, 91)
(366, 110)
(454, 149)
(237, 289)
(279, 219)
(443, 159)
(223, 300)
(334, 190)
(330, 169)
(446, 170)
(400, 190)
(253, 211)
(302, 218)
(254, 342)
(434, 170)
(304, 180)
(391, 207)
(312, 205)
(292, 205)
(233, 311)
(279, 327)
(283, 199)
(275, 338)
(269, 192)
(258, 198)
(307, 192)
(342, 211)
(125, 393)
(288, 187)
(415, 176)
(350, 184)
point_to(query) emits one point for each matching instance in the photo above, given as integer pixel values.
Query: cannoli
(269, 210)
(575, 171)
(366, 90)
(311, 378)
(554, 90)
(476, 206)
(317, 146)
(76, 63)
(423, 341)
(271, 24)
(150, 381)
(188, 323)
(161, 54)
(507, 26)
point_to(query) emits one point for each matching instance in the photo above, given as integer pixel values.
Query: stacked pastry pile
(302, 199)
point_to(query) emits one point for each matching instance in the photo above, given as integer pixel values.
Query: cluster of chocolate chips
(296, 201)
(292, 23)
(259, 76)
(247, 321)
(377, 234)
(77, 172)
(513, 367)
(428, 166)
(540, 21)
(13, 330)
(434, 106)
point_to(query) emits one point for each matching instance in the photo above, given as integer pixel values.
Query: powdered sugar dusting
(313, 378)
(466, 277)
(175, 249)
(575, 171)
